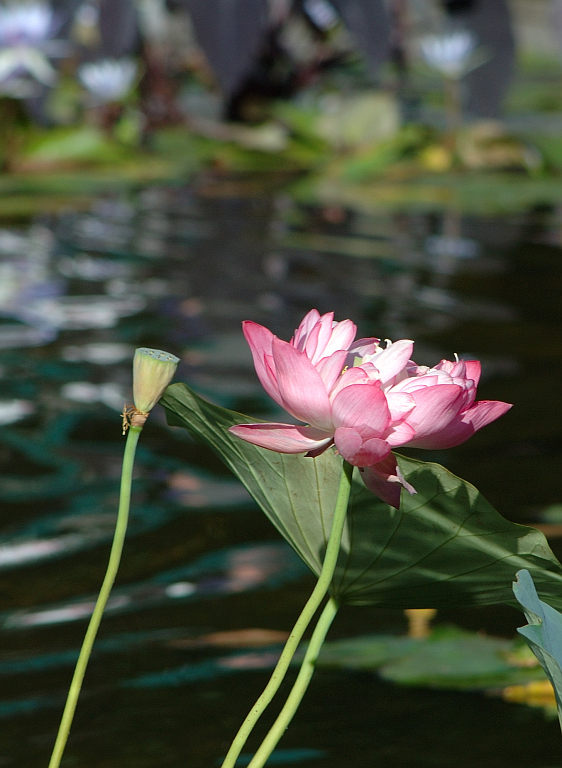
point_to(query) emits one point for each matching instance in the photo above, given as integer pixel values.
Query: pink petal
(463, 426)
(399, 403)
(362, 407)
(473, 370)
(391, 361)
(300, 386)
(459, 370)
(485, 412)
(341, 337)
(386, 481)
(317, 451)
(352, 376)
(260, 341)
(469, 394)
(445, 365)
(258, 337)
(269, 379)
(311, 342)
(306, 325)
(359, 452)
(400, 434)
(414, 383)
(330, 368)
(363, 347)
(324, 332)
(283, 438)
(435, 408)
(386, 491)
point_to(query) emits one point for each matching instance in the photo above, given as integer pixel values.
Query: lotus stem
(299, 688)
(312, 605)
(453, 112)
(112, 567)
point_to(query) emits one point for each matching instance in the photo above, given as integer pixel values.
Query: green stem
(318, 594)
(299, 688)
(112, 567)
(453, 112)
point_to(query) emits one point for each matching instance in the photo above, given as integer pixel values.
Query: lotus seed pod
(153, 370)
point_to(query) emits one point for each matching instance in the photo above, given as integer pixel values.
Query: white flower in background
(321, 13)
(109, 79)
(450, 53)
(25, 23)
(26, 44)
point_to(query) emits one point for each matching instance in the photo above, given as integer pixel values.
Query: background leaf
(448, 658)
(446, 546)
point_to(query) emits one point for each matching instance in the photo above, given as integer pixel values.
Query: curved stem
(299, 688)
(113, 565)
(320, 590)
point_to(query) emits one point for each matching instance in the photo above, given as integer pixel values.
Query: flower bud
(153, 370)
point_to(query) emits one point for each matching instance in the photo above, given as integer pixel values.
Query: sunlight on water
(174, 269)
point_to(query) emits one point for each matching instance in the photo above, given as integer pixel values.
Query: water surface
(179, 269)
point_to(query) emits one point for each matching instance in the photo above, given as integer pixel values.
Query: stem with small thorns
(112, 567)
(312, 605)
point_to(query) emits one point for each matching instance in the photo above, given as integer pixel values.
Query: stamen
(128, 416)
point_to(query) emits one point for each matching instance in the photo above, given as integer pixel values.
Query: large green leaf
(446, 546)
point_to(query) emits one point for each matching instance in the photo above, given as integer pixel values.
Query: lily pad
(450, 658)
(478, 193)
(64, 145)
(446, 546)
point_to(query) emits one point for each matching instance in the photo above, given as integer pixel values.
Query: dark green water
(178, 270)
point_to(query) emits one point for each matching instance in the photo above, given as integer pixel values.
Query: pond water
(175, 669)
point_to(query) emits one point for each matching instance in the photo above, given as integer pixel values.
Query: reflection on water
(28, 706)
(207, 670)
(223, 572)
(284, 756)
(178, 270)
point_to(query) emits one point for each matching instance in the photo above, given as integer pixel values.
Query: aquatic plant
(152, 372)
(108, 80)
(444, 545)
(26, 44)
(27, 23)
(452, 55)
(383, 400)
(449, 53)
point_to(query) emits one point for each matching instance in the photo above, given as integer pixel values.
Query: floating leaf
(446, 546)
(64, 145)
(360, 247)
(459, 661)
(367, 653)
(449, 658)
(543, 633)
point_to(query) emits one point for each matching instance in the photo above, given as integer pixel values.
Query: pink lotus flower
(384, 402)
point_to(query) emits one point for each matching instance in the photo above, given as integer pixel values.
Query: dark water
(179, 269)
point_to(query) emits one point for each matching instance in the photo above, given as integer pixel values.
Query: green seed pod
(153, 370)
